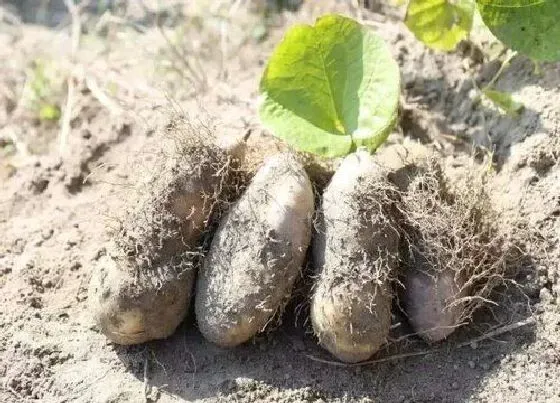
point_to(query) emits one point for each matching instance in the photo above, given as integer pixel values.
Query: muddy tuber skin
(142, 289)
(256, 254)
(354, 252)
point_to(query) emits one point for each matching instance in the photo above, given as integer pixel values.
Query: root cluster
(452, 228)
(155, 231)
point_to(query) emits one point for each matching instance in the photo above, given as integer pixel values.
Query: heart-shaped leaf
(440, 24)
(330, 88)
(529, 26)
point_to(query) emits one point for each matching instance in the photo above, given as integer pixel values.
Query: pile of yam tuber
(203, 231)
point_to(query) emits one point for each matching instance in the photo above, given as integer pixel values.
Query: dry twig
(197, 77)
(496, 332)
(146, 383)
(74, 11)
(102, 98)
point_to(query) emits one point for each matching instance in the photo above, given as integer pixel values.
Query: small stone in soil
(47, 234)
(546, 296)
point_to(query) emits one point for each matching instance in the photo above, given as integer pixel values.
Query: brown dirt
(55, 203)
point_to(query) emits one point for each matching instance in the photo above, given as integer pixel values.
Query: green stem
(504, 65)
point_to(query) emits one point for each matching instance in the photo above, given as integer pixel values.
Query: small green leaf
(510, 3)
(49, 112)
(440, 24)
(330, 88)
(529, 26)
(39, 83)
(503, 100)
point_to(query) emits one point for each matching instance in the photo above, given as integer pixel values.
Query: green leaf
(510, 3)
(531, 27)
(49, 112)
(503, 100)
(39, 83)
(440, 24)
(330, 88)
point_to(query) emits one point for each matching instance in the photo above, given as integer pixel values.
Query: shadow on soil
(53, 13)
(280, 366)
(438, 106)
